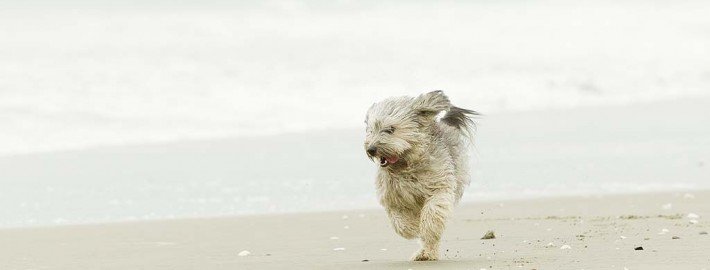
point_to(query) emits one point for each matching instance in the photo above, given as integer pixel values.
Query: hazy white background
(86, 74)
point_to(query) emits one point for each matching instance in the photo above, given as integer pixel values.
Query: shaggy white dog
(423, 163)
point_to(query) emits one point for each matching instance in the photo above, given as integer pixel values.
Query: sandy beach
(599, 232)
(229, 134)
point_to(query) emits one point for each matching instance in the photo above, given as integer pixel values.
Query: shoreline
(605, 150)
(611, 225)
(463, 203)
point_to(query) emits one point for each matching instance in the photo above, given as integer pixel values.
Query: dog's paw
(425, 255)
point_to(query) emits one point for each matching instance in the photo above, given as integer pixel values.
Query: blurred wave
(95, 73)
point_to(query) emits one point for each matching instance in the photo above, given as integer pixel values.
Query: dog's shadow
(446, 264)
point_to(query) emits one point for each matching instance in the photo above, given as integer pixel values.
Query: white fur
(420, 190)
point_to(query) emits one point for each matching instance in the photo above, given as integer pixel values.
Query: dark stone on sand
(675, 237)
(703, 233)
(365, 260)
(489, 235)
(638, 248)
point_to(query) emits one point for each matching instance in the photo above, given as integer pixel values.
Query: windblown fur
(423, 163)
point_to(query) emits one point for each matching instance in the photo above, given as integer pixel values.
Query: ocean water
(144, 110)
(85, 74)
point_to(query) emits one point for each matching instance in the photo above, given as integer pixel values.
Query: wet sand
(602, 232)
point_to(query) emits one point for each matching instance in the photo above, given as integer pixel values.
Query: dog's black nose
(372, 150)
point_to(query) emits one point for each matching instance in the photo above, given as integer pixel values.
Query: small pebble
(489, 235)
(623, 237)
(675, 237)
(346, 227)
(244, 253)
(693, 221)
(550, 244)
(334, 238)
(338, 249)
(383, 249)
(703, 233)
(365, 260)
(565, 247)
(344, 217)
(667, 206)
(638, 248)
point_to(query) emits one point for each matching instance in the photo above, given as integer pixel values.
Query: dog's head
(397, 125)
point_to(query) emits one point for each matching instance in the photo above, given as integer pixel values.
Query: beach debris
(638, 248)
(334, 238)
(244, 253)
(693, 216)
(622, 237)
(675, 237)
(689, 196)
(550, 244)
(344, 217)
(565, 247)
(667, 206)
(693, 221)
(339, 249)
(703, 233)
(675, 216)
(489, 235)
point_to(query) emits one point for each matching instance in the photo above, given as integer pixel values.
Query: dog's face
(396, 125)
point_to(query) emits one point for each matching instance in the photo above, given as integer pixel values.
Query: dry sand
(602, 233)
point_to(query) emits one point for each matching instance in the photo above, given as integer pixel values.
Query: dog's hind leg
(406, 224)
(432, 222)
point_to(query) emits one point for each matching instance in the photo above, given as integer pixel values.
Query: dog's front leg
(404, 223)
(432, 222)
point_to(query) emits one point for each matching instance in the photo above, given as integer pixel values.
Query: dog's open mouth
(384, 161)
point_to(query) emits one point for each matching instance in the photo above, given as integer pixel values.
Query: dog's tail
(461, 119)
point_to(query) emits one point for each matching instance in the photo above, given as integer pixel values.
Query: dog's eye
(389, 130)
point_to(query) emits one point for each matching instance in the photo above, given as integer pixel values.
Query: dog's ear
(430, 104)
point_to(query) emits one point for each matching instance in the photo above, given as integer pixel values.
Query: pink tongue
(392, 160)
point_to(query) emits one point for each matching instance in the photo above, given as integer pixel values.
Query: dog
(421, 146)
